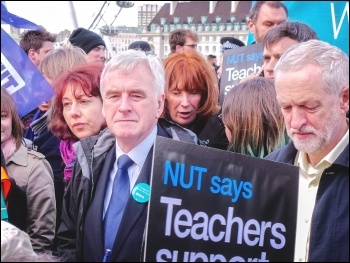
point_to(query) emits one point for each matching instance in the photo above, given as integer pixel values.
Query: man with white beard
(312, 88)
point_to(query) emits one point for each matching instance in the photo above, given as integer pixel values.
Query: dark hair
(87, 77)
(178, 37)
(254, 11)
(8, 105)
(210, 56)
(34, 39)
(253, 116)
(294, 30)
(190, 71)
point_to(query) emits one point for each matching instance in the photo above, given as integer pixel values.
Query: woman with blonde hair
(253, 119)
(32, 172)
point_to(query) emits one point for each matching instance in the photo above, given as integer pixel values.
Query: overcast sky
(56, 16)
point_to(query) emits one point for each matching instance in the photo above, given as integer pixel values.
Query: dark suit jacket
(81, 233)
(128, 242)
(127, 245)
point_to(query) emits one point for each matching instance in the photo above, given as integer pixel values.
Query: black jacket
(329, 233)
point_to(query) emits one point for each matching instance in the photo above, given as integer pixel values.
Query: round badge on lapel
(141, 192)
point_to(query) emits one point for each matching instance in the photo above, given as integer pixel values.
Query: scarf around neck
(68, 156)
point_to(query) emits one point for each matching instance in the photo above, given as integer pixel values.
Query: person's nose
(125, 104)
(75, 110)
(185, 101)
(269, 68)
(298, 118)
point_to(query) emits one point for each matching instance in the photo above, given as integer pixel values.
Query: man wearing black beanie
(93, 44)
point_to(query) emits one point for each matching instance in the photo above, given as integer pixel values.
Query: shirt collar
(140, 152)
(329, 158)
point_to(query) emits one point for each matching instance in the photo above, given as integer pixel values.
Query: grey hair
(297, 31)
(254, 11)
(126, 61)
(333, 62)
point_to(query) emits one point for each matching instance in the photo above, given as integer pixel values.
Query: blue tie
(120, 195)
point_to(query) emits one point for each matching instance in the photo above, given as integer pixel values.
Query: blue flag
(15, 21)
(21, 78)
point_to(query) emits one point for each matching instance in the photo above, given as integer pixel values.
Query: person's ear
(32, 54)
(251, 26)
(160, 106)
(178, 47)
(344, 99)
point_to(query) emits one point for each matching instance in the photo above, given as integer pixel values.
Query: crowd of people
(71, 164)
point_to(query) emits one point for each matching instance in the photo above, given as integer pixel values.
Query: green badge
(141, 192)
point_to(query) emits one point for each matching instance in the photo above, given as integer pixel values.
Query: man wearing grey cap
(92, 43)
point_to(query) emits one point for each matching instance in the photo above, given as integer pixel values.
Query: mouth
(78, 125)
(125, 121)
(184, 115)
(302, 135)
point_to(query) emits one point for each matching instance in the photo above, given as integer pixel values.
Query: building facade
(212, 20)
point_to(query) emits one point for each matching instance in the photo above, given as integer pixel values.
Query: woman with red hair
(191, 91)
(77, 109)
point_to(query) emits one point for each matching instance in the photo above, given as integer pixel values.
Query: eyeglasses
(192, 46)
(220, 120)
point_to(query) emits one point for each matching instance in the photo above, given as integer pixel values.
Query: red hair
(189, 70)
(87, 77)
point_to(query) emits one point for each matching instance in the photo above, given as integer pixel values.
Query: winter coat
(33, 174)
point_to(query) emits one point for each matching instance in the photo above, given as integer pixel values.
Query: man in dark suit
(312, 88)
(132, 88)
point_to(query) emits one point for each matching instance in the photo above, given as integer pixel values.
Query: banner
(329, 19)
(212, 205)
(238, 63)
(21, 78)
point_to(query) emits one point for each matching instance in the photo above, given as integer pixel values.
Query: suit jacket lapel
(95, 212)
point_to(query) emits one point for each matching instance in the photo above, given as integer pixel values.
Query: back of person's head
(86, 76)
(126, 61)
(141, 45)
(86, 39)
(254, 11)
(333, 63)
(294, 30)
(8, 107)
(16, 246)
(34, 39)
(59, 60)
(178, 37)
(251, 113)
(191, 72)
